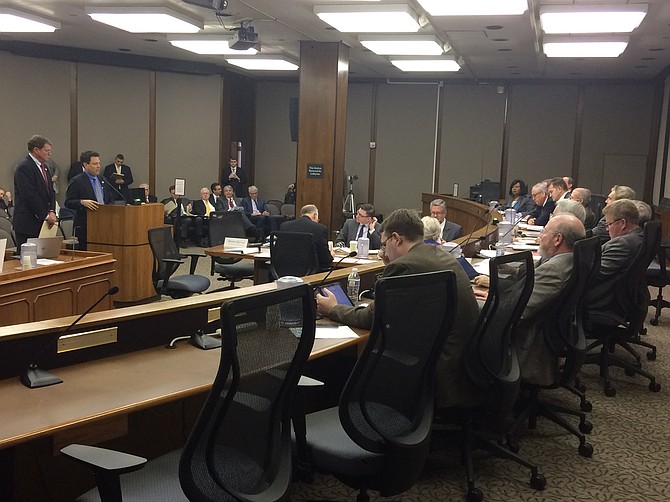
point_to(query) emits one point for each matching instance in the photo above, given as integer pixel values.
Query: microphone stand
(333, 267)
(474, 227)
(34, 377)
(111, 185)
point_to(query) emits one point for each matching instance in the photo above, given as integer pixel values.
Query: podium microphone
(111, 185)
(34, 377)
(333, 267)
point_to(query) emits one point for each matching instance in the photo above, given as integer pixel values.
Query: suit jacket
(248, 207)
(349, 233)
(538, 364)
(453, 385)
(199, 207)
(542, 213)
(33, 199)
(617, 255)
(125, 170)
(451, 231)
(525, 204)
(218, 204)
(152, 198)
(238, 186)
(79, 189)
(590, 220)
(320, 233)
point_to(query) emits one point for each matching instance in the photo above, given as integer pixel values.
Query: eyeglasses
(612, 223)
(383, 245)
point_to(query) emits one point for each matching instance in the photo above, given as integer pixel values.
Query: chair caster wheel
(475, 495)
(538, 481)
(610, 391)
(585, 450)
(653, 321)
(654, 386)
(513, 446)
(585, 427)
(586, 406)
(651, 355)
(629, 372)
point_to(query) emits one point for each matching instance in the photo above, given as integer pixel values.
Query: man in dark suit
(364, 224)
(583, 196)
(404, 252)
(34, 197)
(236, 177)
(231, 203)
(450, 230)
(309, 223)
(544, 205)
(256, 210)
(202, 208)
(86, 192)
(216, 197)
(119, 174)
(147, 195)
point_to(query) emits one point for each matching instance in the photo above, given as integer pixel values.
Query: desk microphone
(474, 227)
(33, 377)
(333, 267)
(111, 185)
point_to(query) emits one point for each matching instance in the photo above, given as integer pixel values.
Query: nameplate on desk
(235, 244)
(87, 339)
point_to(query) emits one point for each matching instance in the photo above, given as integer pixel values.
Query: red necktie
(44, 175)
(231, 203)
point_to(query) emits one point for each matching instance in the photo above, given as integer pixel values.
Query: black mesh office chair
(166, 261)
(491, 363)
(565, 343)
(224, 224)
(657, 277)
(292, 253)
(7, 228)
(610, 330)
(240, 446)
(378, 436)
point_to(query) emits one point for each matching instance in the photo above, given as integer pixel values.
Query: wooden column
(324, 73)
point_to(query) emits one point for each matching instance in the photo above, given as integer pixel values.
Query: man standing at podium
(86, 192)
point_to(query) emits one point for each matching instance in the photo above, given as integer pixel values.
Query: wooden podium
(122, 231)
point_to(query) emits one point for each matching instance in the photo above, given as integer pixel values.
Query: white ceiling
(511, 51)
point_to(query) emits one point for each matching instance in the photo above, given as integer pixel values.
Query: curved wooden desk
(475, 218)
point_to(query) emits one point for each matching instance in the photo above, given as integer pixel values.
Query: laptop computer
(47, 247)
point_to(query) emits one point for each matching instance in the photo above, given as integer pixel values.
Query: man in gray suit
(450, 231)
(537, 363)
(404, 252)
(364, 224)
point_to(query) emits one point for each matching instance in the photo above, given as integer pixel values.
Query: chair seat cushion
(190, 283)
(242, 269)
(334, 451)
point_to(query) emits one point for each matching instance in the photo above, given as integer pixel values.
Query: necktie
(232, 204)
(253, 204)
(360, 231)
(98, 191)
(44, 175)
(207, 210)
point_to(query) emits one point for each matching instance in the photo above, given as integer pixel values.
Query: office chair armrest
(194, 260)
(172, 260)
(103, 460)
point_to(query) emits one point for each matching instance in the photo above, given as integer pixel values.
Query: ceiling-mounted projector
(243, 38)
(209, 4)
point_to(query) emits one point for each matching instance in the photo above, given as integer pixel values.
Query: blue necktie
(360, 231)
(98, 191)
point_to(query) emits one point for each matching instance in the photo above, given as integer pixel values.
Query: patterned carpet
(631, 440)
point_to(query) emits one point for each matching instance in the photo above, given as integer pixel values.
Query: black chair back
(224, 224)
(490, 357)
(166, 256)
(386, 406)
(240, 445)
(292, 253)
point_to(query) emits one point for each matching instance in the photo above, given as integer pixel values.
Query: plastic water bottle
(353, 285)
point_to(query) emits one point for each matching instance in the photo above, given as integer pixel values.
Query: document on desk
(482, 267)
(334, 332)
(359, 261)
(47, 261)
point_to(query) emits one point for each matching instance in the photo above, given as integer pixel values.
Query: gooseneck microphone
(332, 267)
(474, 227)
(34, 377)
(111, 185)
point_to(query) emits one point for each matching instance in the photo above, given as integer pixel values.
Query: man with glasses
(544, 205)
(450, 230)
(404, 252)
(618, 192)
(626, 238)
(363, 224)
(583, 196)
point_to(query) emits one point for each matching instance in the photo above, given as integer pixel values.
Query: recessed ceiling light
(475, 7)
(410, 45)
(270, 64)
(208, 45)
(14, 21)
(591, 18)
(393, 18)
(566, 47)
(426, 64)
(145, 19)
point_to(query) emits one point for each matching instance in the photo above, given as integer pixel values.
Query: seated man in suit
(617, 192)
(404, 252)
(85, 193)
(202, 208)
(216, 197)
(626, 238)
(363, 224)
(257, 212)
(309, 223)
(558, 189)
(5, 202)
(583, 196)
(170, 212)
(231, 203)
(544, 205)
(147, 195)
(450, 231)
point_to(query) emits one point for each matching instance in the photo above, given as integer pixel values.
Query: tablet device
(340, 294)
(469, 270)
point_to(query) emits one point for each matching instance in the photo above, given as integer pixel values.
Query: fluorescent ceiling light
(475, 7)
(145, 19)
(208, 45)
(394, 18)
(426, 64)
(565, 47)
(410, 45)
(271, 64)
(591, 18)
(14, 21)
